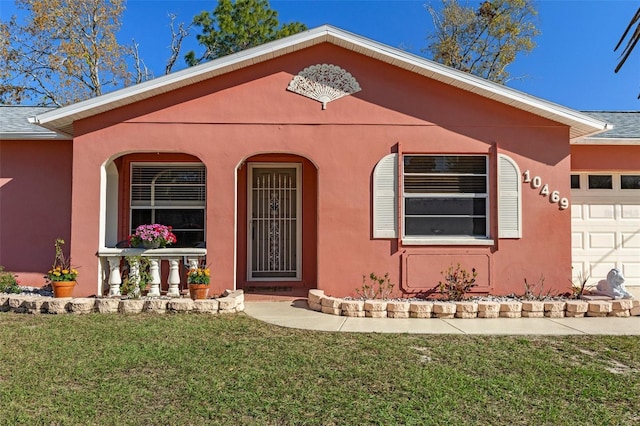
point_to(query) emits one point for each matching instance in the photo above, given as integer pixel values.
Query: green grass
(196, 369)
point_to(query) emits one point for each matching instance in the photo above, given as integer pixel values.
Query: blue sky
(572, 64)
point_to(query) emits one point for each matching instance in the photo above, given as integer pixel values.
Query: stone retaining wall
(230, 302)
(442, 309)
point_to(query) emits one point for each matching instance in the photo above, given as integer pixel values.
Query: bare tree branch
(141, 71)
(177, 36)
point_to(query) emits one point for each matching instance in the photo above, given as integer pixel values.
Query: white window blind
(172, 194)
(167, 185)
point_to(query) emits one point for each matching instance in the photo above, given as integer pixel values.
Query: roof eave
(34, 136)
(606, 141)
(581, 125)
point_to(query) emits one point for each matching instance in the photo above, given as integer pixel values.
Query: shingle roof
(626, 124)
(14, 123)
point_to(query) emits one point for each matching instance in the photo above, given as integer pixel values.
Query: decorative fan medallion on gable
(324, 83)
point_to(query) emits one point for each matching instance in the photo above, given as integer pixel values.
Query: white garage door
(605, 220)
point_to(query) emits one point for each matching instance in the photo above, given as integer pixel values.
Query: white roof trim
(580, 124)
(606, 141)
(33, 136)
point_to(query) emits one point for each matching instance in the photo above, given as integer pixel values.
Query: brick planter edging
(232, 301)
(318, 301)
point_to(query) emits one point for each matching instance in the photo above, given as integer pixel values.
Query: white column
(115, 279)
(154, 271)
(174, 277)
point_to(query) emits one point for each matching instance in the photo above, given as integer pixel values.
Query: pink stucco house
(307, 163)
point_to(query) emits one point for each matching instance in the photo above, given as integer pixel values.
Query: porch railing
(111, 259)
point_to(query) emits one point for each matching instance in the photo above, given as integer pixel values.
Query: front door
(274, 234)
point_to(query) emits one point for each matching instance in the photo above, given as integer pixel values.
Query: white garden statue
(613, 286)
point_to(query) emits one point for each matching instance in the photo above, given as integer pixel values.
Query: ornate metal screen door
(274, 224)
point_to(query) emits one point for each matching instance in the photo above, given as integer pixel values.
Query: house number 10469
(554, 196)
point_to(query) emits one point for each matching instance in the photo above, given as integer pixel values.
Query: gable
(259, 95)
(63, 119)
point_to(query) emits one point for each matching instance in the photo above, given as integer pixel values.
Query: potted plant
(152, 236)
(62, 276)
(198, 280)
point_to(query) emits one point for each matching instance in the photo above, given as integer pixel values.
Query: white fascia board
(581, 124)
(606, 141)
(34, 136)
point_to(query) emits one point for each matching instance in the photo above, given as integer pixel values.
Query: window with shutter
(170, 194)
(509, 198)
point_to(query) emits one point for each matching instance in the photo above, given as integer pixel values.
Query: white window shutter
(385, 198)
(509, 198)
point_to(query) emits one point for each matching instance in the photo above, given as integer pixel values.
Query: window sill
(447, 242)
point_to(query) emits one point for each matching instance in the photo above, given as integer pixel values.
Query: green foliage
(482, 41)
(199, 275)
(377, 288)
(8, 282)
(235, 26)
(457, 282)
(61, 270)
(135, 281)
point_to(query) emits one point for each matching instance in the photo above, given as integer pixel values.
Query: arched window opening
(172, 194)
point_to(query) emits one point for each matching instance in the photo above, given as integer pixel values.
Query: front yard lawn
(199, 369)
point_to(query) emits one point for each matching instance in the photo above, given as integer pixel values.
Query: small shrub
(579, 288)
(377, 288)
(8, 282)
(134, 284)
(457, 282)
(536, 291)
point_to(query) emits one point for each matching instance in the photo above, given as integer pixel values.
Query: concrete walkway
(296, 314)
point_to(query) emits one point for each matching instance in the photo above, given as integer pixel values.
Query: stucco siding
(35, 205)
(605, 157)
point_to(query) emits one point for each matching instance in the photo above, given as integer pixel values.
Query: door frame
(270, 165)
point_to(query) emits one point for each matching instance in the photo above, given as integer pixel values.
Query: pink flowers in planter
(152, 236)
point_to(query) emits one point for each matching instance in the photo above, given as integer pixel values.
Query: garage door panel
(630, 212)
(631, 271)
(600, 270)
(602, 240)
(579, 268)
(577, 240)
(631, 241)
(600, 212)
(576, 211)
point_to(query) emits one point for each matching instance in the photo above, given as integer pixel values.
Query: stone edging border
(317, 301)
(230, 302)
